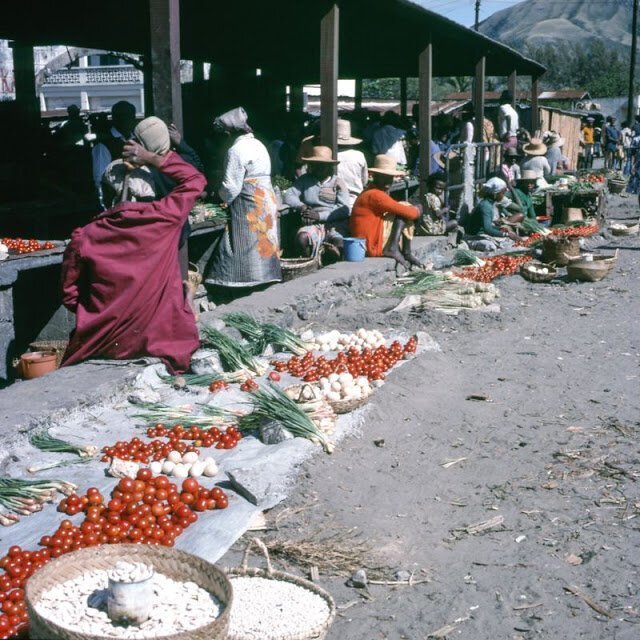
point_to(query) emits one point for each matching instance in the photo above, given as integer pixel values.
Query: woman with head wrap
(482, 232)
(248, 253)
(120, 273)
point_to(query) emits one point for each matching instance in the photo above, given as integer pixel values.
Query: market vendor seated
(322, 198)
(525, 186)
(436, 217)
(483, 226)
(387, 225)
(120, 273)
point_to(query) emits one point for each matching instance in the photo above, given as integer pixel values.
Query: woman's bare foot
(397, 256)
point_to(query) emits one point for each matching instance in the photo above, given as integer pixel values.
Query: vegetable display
(208, 212)
(20, 246)
(578, 230)
(24, 497)
(494, 267)
(234, 356)
(336, 341)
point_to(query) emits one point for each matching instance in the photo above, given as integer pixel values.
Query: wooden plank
(478, 99)
(512, 83)
(358, 98)
(164, 32)
(535, 110)
(329, 52)
(425, 91)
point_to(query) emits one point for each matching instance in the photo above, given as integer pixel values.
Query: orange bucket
(37, 363)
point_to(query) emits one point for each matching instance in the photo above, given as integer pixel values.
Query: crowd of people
(148, 179)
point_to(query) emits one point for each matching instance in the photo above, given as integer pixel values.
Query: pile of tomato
(221, 439)
(494, 267)
(143, 452)
(594, 178)
(583, 231)
(371, 363)
(147, 510)
(249, 385)
(18, 245)
(218, 385)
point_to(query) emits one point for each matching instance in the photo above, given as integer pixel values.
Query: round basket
(631, 228)
(270, 573)
(616, 186)
(347, 406)
(591, 270)
(174, 564)
(297, 267)
(314, 393)
(533, 276)
(57, 346)
(559, 250)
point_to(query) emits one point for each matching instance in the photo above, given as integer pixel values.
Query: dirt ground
(552, 454)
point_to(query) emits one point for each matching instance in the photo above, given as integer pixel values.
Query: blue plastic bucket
(355, 249)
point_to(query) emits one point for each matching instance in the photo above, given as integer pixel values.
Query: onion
(345, 378)
(190, 457)
(197, 469)
(156, 467)
(175, 457)
(168, 467)
(210, 469)
(336, 386)
(181, 470)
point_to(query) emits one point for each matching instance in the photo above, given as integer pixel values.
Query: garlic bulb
(181, 471)
(168, 467)
(190, 457)
(156, 467)
(175, 457)
(197, 469)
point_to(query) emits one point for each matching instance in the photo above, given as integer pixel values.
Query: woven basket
(631, 228)
(559, 250)
(297, 267)
(616, 186)
(338, 406)
(172, 563)
(533, 276)
(347, 406)
(271, 574)
(57, 346)
(591, 271)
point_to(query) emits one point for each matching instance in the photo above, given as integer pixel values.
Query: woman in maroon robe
(121, 277)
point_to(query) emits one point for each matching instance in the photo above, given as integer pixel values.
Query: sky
(463, 11)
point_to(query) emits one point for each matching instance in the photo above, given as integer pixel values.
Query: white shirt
(101, 157)
(353, 171)
(505, 128)
(247, 158)
(539, 164)
(627, 137)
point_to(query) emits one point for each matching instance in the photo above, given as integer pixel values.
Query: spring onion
(417, 282)
(44, 441)
(234, 355)
(465, 257)
(25, 497)
(273, 404)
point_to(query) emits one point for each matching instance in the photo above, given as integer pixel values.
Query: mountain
(540, 22)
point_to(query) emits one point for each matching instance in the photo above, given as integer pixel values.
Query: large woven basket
(272, 574)
(631, 228)
(559, 250)
(347, 406)
(533, 276)
(616, 186)
(313, 392)
(297, 267)
(591, 271)
(57, 346)
(172, 563)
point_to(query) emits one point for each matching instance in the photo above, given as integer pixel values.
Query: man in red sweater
(387, 225)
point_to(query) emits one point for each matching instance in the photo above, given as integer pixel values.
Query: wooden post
(25, 79)
(513, 88)
(403, 96)
(425, 91)
(296, 98)
(329, 41)
(164, 28)
(535, 111)
(198, 71)
(478, 98)
(358, 98)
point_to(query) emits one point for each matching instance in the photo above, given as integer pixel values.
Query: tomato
(273, 375)
(190, 485)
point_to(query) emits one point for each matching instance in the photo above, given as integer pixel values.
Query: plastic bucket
(36, 364)
(355, 249)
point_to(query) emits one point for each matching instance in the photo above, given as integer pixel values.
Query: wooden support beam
(403, 96)
(329, 54)
(513, 88)
(478, 99)
(296, 98)
(425, 91)
(358, 98)
(25, 79)
(164, 30)
(535, 111)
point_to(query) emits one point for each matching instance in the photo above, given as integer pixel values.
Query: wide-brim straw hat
(344, 134)
(535, 147)
(528, 176)
(321, 154)
(385, 165)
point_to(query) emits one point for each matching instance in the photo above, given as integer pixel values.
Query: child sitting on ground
(436, 217)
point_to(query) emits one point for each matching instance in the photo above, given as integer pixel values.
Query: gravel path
(553, 452)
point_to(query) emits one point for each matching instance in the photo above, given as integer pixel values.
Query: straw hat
(321, 154)
(344, 134)
(535, 147)
(527, 176)
(385, 165)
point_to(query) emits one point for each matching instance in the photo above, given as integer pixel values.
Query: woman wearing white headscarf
(248, 253)
(480, 226)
